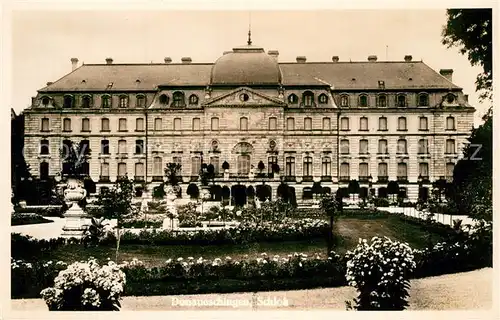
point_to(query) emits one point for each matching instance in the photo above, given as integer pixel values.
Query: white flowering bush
(86, 286)
(380, 272)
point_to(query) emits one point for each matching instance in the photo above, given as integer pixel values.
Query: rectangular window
(270, 161)
(215, 162)
(402, 124)
(157, 167)
(423, 146)
(382, 146)
(195, 166)
(382, 124)
(307, 124)
(344, 171)
(105, 124)
(382, 170)
(158, 124)
(139, 146)
(290, 124)
(105, 146)
(363, 146)
(122, 169)
(450, 123)
(326, 167)
(423, 124)
(450, 146)
(123, 102)
(423, 169)
(178, 160)
(214, 124)
(105, 170)
(196, 124)
(344, 124)
(122, 146)
(139, 170)
(140, 102)
(273, 123)
(177, 124)
(139, 124)
(85, 125)
(308, 165)
(344, 146)
(363, 170)
(327, 124)
(244, 124)
(106, 101)
(363, 124)
(44, 146)
(122, 124)
(45, 124)
(243, 164)
(382, 100)
(402, 146)
(290, 166)
(67, 125)
(402, 174)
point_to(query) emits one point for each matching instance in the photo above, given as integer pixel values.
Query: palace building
(329, 122)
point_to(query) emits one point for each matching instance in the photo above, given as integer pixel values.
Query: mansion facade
(328, 122)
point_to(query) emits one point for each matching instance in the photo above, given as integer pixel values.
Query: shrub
(43, 211)
(26, 247)
(17, 219)
(86, 286)
(28, 278)
(381, 202)
(380, 273)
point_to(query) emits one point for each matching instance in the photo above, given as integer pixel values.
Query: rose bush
(380, 271)
(86, 286)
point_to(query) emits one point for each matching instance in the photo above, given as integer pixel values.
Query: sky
(43, 42)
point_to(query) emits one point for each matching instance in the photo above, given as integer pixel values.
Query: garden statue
(75, 216)
(144, 203)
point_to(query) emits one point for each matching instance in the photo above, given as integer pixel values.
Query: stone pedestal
(171, 224)
(226, 174)
(74, 225)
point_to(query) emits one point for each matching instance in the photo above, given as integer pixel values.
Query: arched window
(323, 98)
(382, 101)
(423, 146)
(401, 101)
(106, 101)
(402, 171)
(382, 172)
(195, 165)
(326, 167)
(193, 99)
(423, 170)
(85, 125)
(344, 123)
(363, 124)
(363, 100)
(308, 166)
(105, 146)
(105, 124)
(363, 146)
(44, 146)
(45, 101)
(178, 100)
(140, 101)
(450, 123)
(307, 123)
(243, 124)
(122, 146)
(293, 98)
(290, 124)
(344, 171)
(122, 170)
(344, 100)
(344, 146)
(363, 171)
(382, 124)
(450, 146)
(68, 101)
(123, 102)
(196, 124)
(450, 167)
(122, 124)
(139, 171)
(163, 99)
(45, 124)
(423, 99)
(382, 146)
(423, 125)
(243, 164)
(86, 102)
(290, 166)
(308, 99)
(327, 124)
(44, 170)
(402, 124)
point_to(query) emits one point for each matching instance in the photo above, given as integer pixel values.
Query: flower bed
(46, 211)
(18, 219)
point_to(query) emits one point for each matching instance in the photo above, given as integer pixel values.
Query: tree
(261, 167)
(20, 170)
(193, 191)
(75, 159)
(116, 203)
(393, 188)
(225, 165)
(171, 173)
(353, 187)
(330, 206)
(275, 167)
(471, 31)
(317, 189)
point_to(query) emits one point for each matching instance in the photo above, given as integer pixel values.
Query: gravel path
(462, 291)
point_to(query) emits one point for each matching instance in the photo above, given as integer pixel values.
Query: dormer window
(193, 99)
(323, 98)
(123, 102)
(423, 99)
(45, 101)
(293, 98)
(106, 101)
(140, 101)
(163, 99)
(382, 101)
(308, 99)
(344, 100)
(68, 102)
(178, 100)
(401, 100)
(363, 101)
(450, 98)
(86, 102)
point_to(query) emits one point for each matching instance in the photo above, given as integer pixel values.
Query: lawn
(347, 230)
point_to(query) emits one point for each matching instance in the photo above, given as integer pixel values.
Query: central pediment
(244, 97)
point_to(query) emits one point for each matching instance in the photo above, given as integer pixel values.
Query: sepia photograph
(251, 160)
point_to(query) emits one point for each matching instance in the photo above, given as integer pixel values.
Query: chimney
(466, 97)
(109, 60)
(301, 59)
(372, 58)
(408, 58)
(74, 63)
(226, 52)
(49, 83)
(447, 73)
(186, 60)
(274, 53)
(335, 58)
(167, 60)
